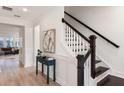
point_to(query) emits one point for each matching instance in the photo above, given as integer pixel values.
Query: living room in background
(11, 47)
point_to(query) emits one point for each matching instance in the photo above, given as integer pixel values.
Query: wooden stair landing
(111, 81)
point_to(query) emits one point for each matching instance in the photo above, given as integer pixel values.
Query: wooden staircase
(80, 46)
(89, 64)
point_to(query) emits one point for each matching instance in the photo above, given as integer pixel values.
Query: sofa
(9, 51)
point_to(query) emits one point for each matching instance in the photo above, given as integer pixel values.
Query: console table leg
(36, 67)
(54, 76)
(42, 68)
(47, 74)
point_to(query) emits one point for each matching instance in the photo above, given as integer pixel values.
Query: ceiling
(33, 13)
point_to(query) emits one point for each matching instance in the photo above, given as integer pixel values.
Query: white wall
(21, 51)
(28, 37)
(36, 41)
(109, 21)
(65, 67)
(28, 43)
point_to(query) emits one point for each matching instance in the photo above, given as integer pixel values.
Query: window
(1, 42)
(9, 42)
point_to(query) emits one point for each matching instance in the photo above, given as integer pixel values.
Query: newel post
(93, 54)
(80, 70)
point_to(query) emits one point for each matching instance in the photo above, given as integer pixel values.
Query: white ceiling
(33, 13)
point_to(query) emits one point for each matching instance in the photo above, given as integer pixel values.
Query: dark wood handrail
(64, 21)
(117, 46)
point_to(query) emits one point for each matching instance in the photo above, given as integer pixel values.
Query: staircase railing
(94, 31)
(84, 49)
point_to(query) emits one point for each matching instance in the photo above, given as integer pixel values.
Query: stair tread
(103, 81)
(98, 61)
(111, 80)
(100, 70)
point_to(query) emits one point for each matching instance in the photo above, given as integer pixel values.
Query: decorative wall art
(49, 41)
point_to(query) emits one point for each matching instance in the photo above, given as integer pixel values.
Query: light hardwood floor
(14, 75)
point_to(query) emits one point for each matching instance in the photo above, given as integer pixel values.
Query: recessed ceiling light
(24, 9)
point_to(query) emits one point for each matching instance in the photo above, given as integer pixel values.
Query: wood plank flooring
(13, 75)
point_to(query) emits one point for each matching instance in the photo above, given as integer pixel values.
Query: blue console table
(48, 62)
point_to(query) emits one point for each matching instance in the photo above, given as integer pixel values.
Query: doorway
(11, 47)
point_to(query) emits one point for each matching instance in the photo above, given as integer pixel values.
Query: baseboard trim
(117, 73)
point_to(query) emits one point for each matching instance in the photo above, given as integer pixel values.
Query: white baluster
(87, 46)
(65, 33)
(74, 41)
(68, 36)
(71, 38)
(85, 73)
(77, 44)
(83, 45)
(80, 44)
(89, 69)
